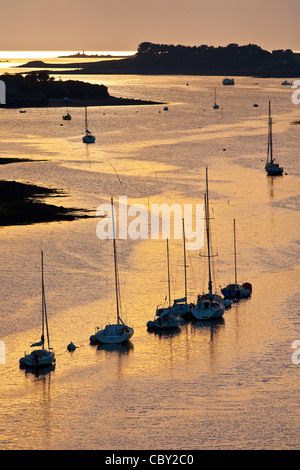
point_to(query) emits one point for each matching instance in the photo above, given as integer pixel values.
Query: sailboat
(166, 318)
(67, 117)
(40, 357)
(215, 105)
(236, 291)
(118, 332)
(180, 306)
(88, 138)
(273, 169)
(209, 306)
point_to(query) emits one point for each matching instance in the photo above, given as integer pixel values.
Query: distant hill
(204, 60)
(248, 60)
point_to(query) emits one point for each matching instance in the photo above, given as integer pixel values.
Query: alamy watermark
(2, 353)
(138, 222)
(296, 94)
(2, 92)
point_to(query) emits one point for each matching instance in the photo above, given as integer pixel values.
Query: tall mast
(86, 125)
(43, 299)
(271, 137)
(235, 273)
(44, 309)
(207, 236)
(169, 291)
(115, 260)
(184, 258)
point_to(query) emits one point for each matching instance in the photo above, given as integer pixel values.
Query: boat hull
(208, 313)
(113, 334)
(207, 309)
(38, 358)
(240, 293)
(159, 325)
(88, 139)
(274, 171)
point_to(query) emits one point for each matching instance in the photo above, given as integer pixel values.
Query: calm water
(228, 385)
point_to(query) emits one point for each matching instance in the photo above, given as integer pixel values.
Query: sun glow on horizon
(55, 54)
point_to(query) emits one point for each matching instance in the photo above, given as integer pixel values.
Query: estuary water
(226, 385)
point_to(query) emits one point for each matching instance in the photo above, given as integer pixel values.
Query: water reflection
(38, 372)
(212, 326)
(119, 349)
(165, 333)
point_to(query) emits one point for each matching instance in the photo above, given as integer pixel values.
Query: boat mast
(115, 261)
(234, 237)
(184, 258)
(270, 137)
(43, 323)
(168, 259)
(207, 237)
(44, 309)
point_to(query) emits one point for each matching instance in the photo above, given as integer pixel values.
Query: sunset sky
(122, 25)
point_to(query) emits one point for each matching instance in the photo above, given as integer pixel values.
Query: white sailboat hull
(113, 334)
(38, 358)
(166, 320)
(207, 309)
(208, 314)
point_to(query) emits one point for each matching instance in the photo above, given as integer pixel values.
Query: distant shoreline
(37, 89)
(61, 103)
(80, 55)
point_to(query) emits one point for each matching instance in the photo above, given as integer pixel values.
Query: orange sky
(123, 24)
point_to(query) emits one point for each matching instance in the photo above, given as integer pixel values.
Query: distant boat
(88, 138)
(118, 332)
(273, 169)
(286, 83)
(40, 357)
(215, 105)
(236, 291)
(67, 117)
(228, 81)
(166, 319)
(209, 306)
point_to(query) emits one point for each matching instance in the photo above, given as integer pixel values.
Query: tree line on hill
(37, 88)
(232, 57)
(203, 60)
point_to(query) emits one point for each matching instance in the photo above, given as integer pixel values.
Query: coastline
(20, 204)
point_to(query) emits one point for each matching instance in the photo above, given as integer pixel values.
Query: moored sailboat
(228, 81)
(209, 306)
(118, 332)
(273, 169)
(215, 105)
(40, 357)
(67, 116)
(180, 306)
(166, 318)
(88, 138)
(236, 291)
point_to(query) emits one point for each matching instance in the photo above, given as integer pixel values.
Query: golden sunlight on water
(210, 385)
